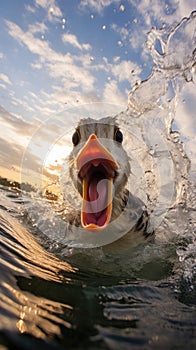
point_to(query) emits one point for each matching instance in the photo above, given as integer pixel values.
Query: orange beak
(97, 170)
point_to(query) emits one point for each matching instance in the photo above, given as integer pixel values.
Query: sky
(58, 54)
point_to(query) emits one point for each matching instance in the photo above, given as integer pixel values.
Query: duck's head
(99, 169)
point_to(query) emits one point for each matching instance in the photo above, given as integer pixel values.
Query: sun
(55, 157)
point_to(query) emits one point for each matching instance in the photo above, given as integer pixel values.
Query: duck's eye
(76, 138)
(118, 136)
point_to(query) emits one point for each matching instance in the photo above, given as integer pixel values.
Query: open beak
(97, 170)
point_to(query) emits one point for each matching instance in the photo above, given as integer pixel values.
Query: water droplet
(151, 152)
(104, 27)
(91, 16)
(138, 82)
(51, 10)
(122, 8)
(63, 20)
(135, 20)
(120, 43)
(91, 58)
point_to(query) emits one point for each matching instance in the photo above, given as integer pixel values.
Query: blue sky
(68, 49)
(59, 53)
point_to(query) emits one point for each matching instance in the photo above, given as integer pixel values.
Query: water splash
(155, 101)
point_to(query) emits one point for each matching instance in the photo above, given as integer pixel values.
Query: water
(54, 297)
(49, 302)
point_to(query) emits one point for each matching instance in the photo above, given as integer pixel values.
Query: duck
(99, 169)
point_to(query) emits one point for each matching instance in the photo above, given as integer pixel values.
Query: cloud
(62, 66)
(151, 10)
(122, 70)
(42, 3)
(16, 126)
(185, 112)
(30, 8)
(112, 94)
(122, 31)
(11, 158)
(126, 70)
(22, 103)
(97, 5)
(38, 28)
(14, 140)
(54, 12)
(72, 40)
(11, 154)
(186, 7)
(3, 86)
(35, 45)
(5, 79)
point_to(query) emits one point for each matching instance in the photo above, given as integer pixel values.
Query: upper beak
(93, 150)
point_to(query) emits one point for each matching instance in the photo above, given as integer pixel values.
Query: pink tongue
(92, 190)
(98, 191)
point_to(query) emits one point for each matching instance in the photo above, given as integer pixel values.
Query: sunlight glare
(56, 157)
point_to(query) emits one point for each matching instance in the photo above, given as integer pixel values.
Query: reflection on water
(23, 257)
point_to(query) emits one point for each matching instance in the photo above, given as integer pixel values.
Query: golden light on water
(21, 326)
